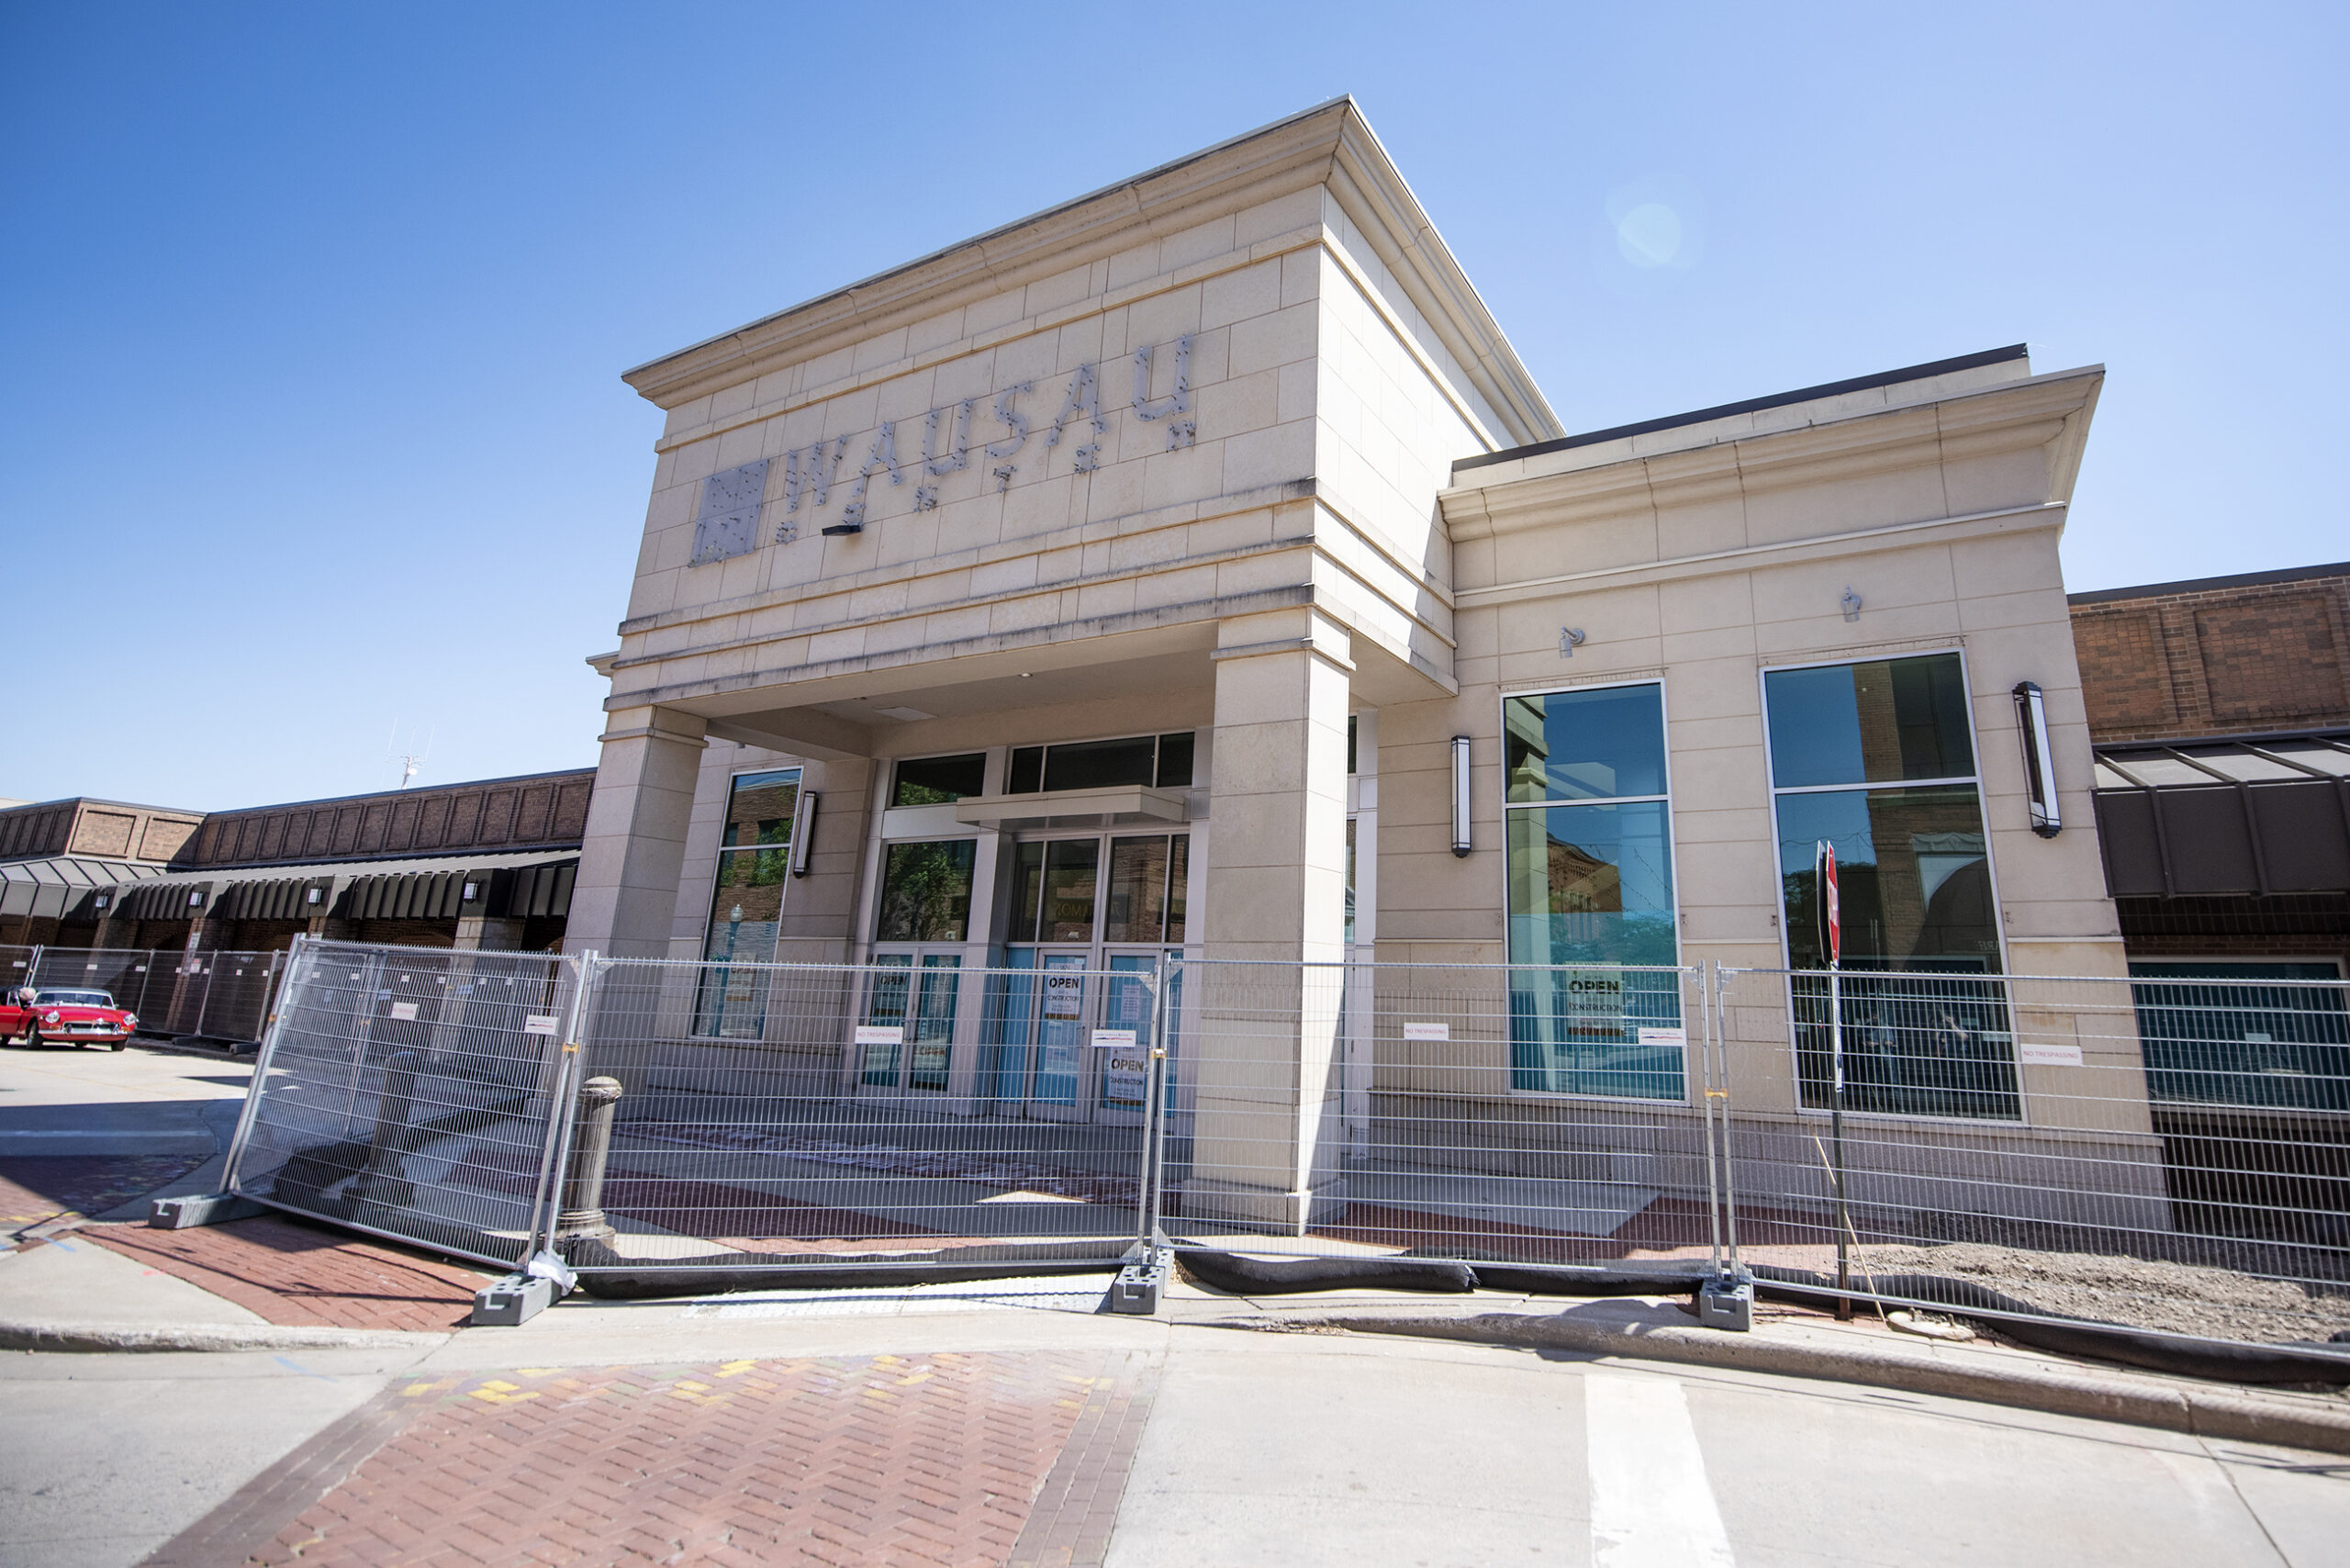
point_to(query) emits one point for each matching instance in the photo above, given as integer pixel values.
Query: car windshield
(73, 999)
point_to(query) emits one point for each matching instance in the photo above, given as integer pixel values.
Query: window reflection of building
(1878, 759)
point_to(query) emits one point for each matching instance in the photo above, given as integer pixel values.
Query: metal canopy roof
(2252, 815)
(45, 888)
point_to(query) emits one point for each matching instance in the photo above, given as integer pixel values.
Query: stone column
(626, 897)
(1266, 1148)
(488, 933)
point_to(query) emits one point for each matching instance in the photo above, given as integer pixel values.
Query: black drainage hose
(2217, 1359)
(608, 1276)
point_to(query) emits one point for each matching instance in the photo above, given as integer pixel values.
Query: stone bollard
(591, 1145)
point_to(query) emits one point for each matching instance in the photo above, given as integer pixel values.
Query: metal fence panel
(2169, 1155)
(236, 1002)
(409, 1092)
(99, 969)
(1480, 1112)
(880, 1110)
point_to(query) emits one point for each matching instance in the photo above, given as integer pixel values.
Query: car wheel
(115, 1047)
(32, 1039)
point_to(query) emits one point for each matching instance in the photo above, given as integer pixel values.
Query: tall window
(1590, 863)
(746, 906)
(1878, 759)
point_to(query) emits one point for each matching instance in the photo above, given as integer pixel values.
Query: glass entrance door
(905, 1045)
(1073, 1030)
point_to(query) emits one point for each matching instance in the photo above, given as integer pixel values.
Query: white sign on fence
(1125, 1074)
(1414, 1031)
(538, 1022)
(1676, 1038)
(403, 1009)
(2050, 1056)
(880, 1033)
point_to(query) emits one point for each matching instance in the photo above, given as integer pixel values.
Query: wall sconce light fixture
(2039, 759)
(1850, 603)
(1460, 795)
(804, 832)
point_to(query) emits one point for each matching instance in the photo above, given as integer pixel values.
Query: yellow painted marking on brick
(913, 1378)
(735, 1369)
(536, 1371)
(496, 1393)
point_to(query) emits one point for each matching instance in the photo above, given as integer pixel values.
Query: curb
(2169, 1406)
(97, 1337)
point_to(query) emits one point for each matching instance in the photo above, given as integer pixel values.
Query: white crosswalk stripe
(1652, 1505)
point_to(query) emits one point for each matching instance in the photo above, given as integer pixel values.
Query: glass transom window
(1595, 1001)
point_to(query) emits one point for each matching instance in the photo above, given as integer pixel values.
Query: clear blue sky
(311, 316)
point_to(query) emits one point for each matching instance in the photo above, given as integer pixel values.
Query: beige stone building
(1135, 578)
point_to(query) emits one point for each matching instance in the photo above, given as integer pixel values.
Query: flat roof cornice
(1329, 144)
(1756, 404)
(2206, 585)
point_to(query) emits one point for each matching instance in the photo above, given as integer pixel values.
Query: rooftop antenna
(411, 763)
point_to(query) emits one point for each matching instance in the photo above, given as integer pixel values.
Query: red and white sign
(1832, 909)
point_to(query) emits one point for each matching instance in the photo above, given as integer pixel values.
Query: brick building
(486, 863)
(2218, 715)
(2219, 710)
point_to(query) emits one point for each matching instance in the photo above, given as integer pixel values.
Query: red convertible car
(33, 1015)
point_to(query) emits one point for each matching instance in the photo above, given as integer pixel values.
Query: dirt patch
(2177, 1298)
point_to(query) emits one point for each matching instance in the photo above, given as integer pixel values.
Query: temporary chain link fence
(218, 995)
(414, 1093)
(2170, 1155)
(899, 1115)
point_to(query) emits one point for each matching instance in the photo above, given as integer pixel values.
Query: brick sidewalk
(968, 1460)
(298, 1274)
(43, 1187)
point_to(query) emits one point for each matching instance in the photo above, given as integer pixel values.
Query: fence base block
(1141, 1285)
(513, 1300)
(207, 1208)
(1725, 1302)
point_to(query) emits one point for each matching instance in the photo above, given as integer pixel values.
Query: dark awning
(2254, 815)
(62, 886)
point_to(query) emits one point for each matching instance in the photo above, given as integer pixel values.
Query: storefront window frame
(1672, 852)
(720, 972)
(1996, 979)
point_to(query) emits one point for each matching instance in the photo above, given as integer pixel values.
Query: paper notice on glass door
(1125, 1071)
(1063, 994)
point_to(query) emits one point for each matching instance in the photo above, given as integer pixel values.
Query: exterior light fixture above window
(195, 900)
(471, 893)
